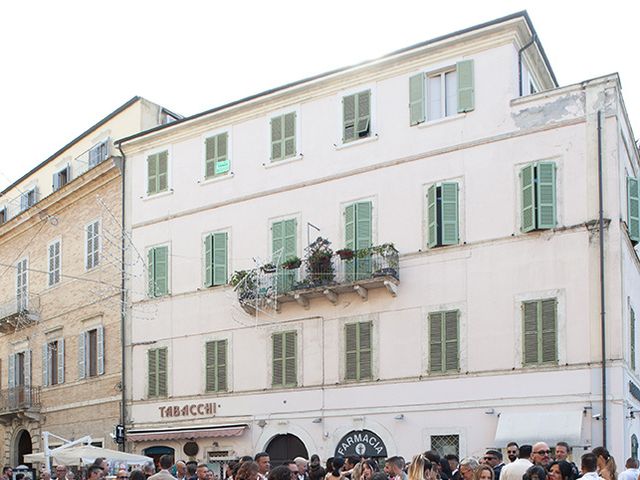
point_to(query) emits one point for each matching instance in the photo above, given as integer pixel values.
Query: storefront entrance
(157, 452)
(22, 447)
(285, 447)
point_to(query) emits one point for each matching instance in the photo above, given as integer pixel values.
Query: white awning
(548, 427)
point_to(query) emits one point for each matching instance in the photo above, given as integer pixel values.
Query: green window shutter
(349, 118)
(220, 272)
(432, 217)
(290, 377)
(221, 363)
(152, 359)
(363, 225)
(278, 360)
(45, 365)
(351, 347)
(435, 341)
(210, 366)
(210, 157)
(548, 331)
(163, 171)
(633, 209)
(632, 335)
(363, 123)
(151, 279)
(289, 134)
(466, 96)
(530, 332)
(216, 366)
(546, 194)
(162, 372)
(289, 239)
(528, 198)
(350, 226)
(160, 271)
(416, 99)
(208, 260)
(277, 138)
(277, 238)
(450, 340)
(222, 154)
(364, 347)
(450, 235)
(152, 174)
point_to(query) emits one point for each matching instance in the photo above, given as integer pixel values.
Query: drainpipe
(603, 331)
(123, 310)
(533, 40)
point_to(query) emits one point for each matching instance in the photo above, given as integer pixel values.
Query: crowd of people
(525, 462)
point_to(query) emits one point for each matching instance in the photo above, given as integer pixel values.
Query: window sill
(157, 195)
(450, 118)
(371, 138)
(216, 179)
(277, 163)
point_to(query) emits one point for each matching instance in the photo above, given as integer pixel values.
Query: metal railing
(23, 305)
(22, 397)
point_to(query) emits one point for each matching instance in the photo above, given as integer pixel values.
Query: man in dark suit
(166, 462)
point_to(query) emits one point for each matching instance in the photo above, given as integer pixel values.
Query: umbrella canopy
(87, 454)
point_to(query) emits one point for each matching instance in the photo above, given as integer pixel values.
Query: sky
(66, 64)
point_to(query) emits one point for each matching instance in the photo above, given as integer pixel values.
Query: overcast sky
(67, 64)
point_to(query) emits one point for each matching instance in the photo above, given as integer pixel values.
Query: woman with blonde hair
(421, 468)
(483, 472)
(606, 464)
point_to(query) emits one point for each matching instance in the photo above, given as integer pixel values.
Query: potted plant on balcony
(244, 283)
(318, 260)
(345, 253)
(268, 268)
(385, 259)
(291, 263)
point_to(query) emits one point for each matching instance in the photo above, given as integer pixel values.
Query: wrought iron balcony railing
(19, 312)
(19, 398)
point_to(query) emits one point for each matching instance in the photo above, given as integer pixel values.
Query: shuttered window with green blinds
(216, 366)
(284, 246)
(538, 196)
(416, 99)
(442, 214)
(158, 172)
(216, 155)
(356, 116)
(466, 91)
(358, 227)
(216, 259)
(283, 136)
(157, 365)
(632, 338)
(444, 341)
(158, 271)
(358, 351)
(633, 209)
(285, 359)
(540, 341)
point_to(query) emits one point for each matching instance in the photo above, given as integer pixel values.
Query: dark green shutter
(221, 363)
(290, 359)
(548, 331)
(358, 361)
(633, 209)
(546, 194)
(364, 240)
(450, 340)
(277, 358)
(220, 269)
(466, 95)
(435, 341)
(351, 353)
(160, 271)
(530, 333)
(216, 366)
(208, 260)
(163, 171)
(289, 134)
(540, 335)
(151, 290)
(528, 198)
(350, 226)
(152, 363)
(152, 174)
(432, 217)
(349, 118)
(416, 99)
(450, 235)
(162, 372)
(444, 341)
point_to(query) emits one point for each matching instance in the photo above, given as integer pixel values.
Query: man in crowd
(562, 453)
(493, 458)
(516, 469)
(302, 464)
(512, 451)
(148, 470)
(468, 466)
(61, 472)
(7, 473)
(293, 468)
(264, 464)
(631, 472)
(394, 467)
(94, 472)
(192, 467)
(540, 455)
(201, 471)
(453, 465)
(588, 466)
(181, 470)
(166, 462)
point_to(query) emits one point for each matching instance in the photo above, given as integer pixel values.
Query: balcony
(321, 275)
(19, 313)
(21, 401)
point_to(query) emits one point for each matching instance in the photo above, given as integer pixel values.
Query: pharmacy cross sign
(361, 443)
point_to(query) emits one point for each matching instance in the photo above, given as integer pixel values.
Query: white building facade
(480, 325)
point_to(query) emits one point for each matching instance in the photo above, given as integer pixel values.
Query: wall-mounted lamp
(399, 416)
(491, 411)
(262, 423)
(316, 420)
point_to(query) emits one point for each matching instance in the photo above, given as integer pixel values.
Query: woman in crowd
(247, 471)
(421, 468)
(280, 473)
(316, 472)
(606, 464)
(485, 472)
(369, 467)
(560, 470)
(535, 472)
(336, 467)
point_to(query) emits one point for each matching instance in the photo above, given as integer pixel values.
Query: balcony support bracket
(363, 292)
(302, 300)
(331, 295)
(391, 287)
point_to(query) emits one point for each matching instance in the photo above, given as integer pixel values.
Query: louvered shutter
(633, 209)
(530, 332)
(289, 134)
(220, 258)
(364, 114)
(152, 174)
(348, 118)
(278, 361)
(12, 371)
(161, 270)
(350, 226)
(277, 134)
(351, 347)
(208, 260)
(222, 155)
(27, 368)
(150, 273)
(52, 263)
(632, 338)
(210, 157)
(24, 201)
(45, 365)
(210, 368)
(364, 236)
(432, 217)
(416, 99)
(56, 181)
(548, 340)
(61, 361)
(162, 372)
(56, 262)
(435, 342)
(365, 354)
(451, 340)
(450, 234)
(221, 365)
(100, 347)
(163, 171)
(546, 194)
(67, 172)
(290, 359)
(466, 96)
(528, 199)
(82, 356)
(277, 241)
(152, 365)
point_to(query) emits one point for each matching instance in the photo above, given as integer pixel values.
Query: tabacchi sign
(190, 410)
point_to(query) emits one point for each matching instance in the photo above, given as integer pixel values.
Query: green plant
(268, 268)
(345, 253)
(244, 283)
(291, 263)
(318, 261)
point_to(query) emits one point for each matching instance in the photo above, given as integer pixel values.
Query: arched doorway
(157, 452)
(285, 447)
(22, 447)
